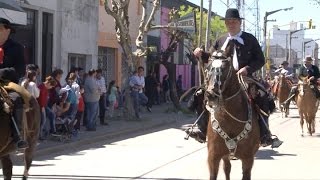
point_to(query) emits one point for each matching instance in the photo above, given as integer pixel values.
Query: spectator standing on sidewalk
(29, 83)
(44, 88)
(166, 88)
(151, 88)
(91, 98)
(54, 92)
(179, 86)
(112, 97)
(101, 82)
(137, 84)
(79, 115)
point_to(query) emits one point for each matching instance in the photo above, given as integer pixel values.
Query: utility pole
(265, 21)
(208, 26)
(200, 63)
(201, 23)
(290, 38)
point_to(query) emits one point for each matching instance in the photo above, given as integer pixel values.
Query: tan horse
(307, 105)
(30, 125)
(283, 91)
(233, 129)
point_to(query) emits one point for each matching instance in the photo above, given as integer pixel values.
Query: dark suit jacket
(13, 57)
(314, 71)
(250, 54)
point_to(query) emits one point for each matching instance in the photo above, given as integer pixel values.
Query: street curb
(94, 139)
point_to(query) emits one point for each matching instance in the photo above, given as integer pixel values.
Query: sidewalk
(117, 127)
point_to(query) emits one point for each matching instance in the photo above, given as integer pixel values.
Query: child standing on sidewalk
(79, 115)
(112, 97)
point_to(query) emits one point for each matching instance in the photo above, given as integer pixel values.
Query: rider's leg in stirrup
(198, 131)
(265, 133)
(292, 93)
(16, 122)
(315, 90)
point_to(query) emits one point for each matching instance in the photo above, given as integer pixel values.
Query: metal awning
(11, 10)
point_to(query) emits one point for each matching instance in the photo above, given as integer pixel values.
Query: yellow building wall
(107, 36)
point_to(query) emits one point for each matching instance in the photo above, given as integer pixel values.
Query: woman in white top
(30, 83)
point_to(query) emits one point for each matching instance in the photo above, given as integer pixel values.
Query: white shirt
(137, 80)
(102, 85)
(32, 88)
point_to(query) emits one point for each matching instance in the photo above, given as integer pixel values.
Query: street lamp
(265, 27)
(290, 39)
(304, 46)
(266, 20)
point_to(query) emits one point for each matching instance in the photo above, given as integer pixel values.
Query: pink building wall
(185, 69)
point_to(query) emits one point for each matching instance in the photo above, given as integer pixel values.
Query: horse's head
(303, 85)
(218, 74)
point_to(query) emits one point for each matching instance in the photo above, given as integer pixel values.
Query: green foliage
(217, 26)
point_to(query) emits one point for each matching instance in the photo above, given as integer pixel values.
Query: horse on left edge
(30, 128)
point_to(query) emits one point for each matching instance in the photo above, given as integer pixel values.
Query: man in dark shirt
(312, 73)
(247, 58)
(12, 68)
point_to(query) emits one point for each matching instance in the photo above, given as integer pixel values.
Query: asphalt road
(163, 153)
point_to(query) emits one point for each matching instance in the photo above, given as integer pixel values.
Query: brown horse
(233, 130)
(30, 124)
(283, 91)
(307, 105)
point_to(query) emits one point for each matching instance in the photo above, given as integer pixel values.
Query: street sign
(186, 23)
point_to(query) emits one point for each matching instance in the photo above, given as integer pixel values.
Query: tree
(217, 26)
(119, 11)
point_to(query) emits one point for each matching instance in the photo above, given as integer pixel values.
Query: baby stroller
(65, 121)
(65, 129)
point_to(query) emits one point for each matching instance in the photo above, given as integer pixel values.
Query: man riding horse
(12, 68)
(312, 73)
(247, 58)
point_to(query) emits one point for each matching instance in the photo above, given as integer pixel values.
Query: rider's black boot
(198, 131)
(16, 123)
(20, 144)
(265, 134)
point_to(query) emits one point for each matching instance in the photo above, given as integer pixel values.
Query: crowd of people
(81, 100)
(86, 97)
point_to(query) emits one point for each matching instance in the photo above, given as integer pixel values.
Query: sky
(303, 10)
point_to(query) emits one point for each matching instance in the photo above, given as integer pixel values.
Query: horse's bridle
(214, 68)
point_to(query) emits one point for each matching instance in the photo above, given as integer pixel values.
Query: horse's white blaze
(216, 63)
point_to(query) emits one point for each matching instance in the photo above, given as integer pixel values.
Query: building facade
(110, 56)
(281, 40)
(59, 34)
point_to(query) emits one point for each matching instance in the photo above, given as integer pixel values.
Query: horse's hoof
(302, 135)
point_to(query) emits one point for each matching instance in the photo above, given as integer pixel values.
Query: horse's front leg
(227, 167)
(213, 162)
(6, 167)
(247, 167)
(301, 122)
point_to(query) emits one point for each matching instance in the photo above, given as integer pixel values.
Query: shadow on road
(269, 154)
(77, 177)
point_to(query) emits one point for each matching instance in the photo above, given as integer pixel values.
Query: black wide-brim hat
(232, 13)
(284, 62)
(8, 24)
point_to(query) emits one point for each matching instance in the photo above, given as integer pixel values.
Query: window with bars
(106, 62)
(77, 60)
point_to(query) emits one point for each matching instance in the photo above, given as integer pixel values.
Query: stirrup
(198, 136)
(276, 142)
